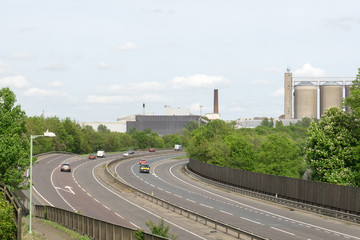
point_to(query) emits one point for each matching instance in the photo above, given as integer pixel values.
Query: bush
(7, 226)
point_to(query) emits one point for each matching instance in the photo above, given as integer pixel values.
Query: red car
(143, 161)
(152, 150)
(92, 156)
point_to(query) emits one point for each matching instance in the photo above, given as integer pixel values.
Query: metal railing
(91, 227)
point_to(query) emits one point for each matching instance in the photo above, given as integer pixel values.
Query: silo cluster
(311, 95)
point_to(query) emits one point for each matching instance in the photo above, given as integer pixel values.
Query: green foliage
(279, 155)
(333, 148)
(7, 226)
(264, 149)
(354, 99)
(160, 229)
(139, 234)
(14, 146)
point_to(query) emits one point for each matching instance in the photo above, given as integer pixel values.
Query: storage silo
(347, 94)
(331, 95)
(305, 100)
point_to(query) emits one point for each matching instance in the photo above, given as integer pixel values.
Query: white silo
(305, 100)
(331, 95)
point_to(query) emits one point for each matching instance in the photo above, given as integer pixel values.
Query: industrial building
(310, 97)
(172, 121)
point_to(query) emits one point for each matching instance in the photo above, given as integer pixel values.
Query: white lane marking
(42, 196)
(251, 221)
(206, 206)
(68, 187)
(135, 225)
(283, 231)
(106, 207)
(191, 200)
(178, 196)
(93, 173)
(51, 179)
(226, 212)
(297, 221)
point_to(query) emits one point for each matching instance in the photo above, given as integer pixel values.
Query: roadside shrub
(7, 226)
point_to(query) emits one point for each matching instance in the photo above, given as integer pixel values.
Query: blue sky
(100, 60)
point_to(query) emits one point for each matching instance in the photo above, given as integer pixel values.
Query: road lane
(273, 221)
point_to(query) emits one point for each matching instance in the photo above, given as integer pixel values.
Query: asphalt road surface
(83, 191)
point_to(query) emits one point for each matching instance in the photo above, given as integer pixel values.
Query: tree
(332, 148)
(279, 155)
(160, 229)
(354, 99)
(14, 146)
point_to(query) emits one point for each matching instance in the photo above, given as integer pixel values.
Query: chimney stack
(216, 101)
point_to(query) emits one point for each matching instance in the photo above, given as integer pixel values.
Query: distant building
(162, 124)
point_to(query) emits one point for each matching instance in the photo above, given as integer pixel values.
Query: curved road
(168, 182)
(82, 191)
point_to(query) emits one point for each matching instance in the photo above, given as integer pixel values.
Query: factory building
(310, 97)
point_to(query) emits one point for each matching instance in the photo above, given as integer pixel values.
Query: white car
(126, 154)
(100, 154)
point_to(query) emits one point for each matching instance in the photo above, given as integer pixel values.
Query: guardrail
(308, 206)
(11, 198)
(91, 227)
(212, 223)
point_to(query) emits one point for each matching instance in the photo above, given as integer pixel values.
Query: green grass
(38, 236)
(181, 157)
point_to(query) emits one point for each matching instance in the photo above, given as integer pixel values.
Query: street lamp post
(32, 137)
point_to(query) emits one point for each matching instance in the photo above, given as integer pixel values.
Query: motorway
(82, 191)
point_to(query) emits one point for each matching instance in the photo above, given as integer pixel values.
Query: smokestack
(216, 101)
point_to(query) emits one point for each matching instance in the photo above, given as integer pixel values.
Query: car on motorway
(144, 168)
(100, 154)
(152, 150)
(65, 167)
(92, 156)
(142, 161)
(131, 151)
(126, 154)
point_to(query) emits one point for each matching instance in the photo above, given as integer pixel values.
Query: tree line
(329, 147)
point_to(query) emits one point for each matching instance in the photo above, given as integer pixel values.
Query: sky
(93, 60)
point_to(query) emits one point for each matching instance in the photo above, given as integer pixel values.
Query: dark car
(152, 150)
(131, 151)
(144, 168)
(92, 156)
(65, 167)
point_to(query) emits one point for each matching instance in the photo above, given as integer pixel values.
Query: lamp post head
(49, 134)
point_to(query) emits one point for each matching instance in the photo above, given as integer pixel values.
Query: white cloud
(54, 66)
(14, 81)
(4, 68)
(103, 65)
(50, 94)
(345, 22)
(308, 71)
(127, 46)
(261, 82)
(56, 84)
(37, 92)
(278, 93)
(199, 81)
(20, 56)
